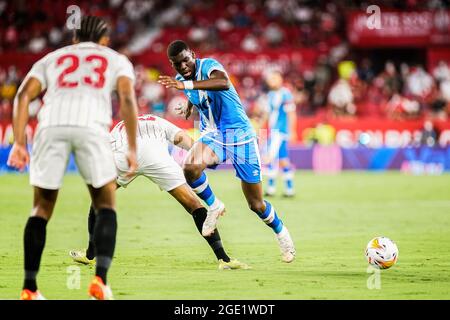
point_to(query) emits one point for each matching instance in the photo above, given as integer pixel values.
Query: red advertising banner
(399, 29)
(346, 133)
(377, 132)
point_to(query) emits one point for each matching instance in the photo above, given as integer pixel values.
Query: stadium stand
(330, 76)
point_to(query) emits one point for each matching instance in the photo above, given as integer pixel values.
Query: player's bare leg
(253, 192)
(201, 156)
(186, 197)
(105, 230)
(34, 239)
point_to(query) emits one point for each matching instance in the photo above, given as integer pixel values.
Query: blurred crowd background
(329, 77)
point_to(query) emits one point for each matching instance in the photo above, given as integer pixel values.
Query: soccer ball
(381, 253)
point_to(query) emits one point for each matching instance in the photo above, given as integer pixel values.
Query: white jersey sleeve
(124, 68)
(38, 72)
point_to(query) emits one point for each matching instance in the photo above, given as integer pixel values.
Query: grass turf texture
(160, 255)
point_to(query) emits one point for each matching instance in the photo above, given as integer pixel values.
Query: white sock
(215, 205)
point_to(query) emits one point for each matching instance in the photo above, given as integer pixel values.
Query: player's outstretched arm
(183, 140)
(128, 112)
(217, 81)
(29, 91)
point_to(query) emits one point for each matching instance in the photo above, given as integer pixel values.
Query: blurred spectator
(392, 83)
(223, 24)
(441, 72)
(135, 9)
(302, 14)
(273, 34)
(428, 134)
(323, 134)
(55, 37)
(341, 98)
(439, 107)
(11, 37)
(274, 8)
(37, 43)
(197, 34)
(250, 43)
(419, 83)
(365, 71)
(400, 107)
(5, 109)
(239, 18)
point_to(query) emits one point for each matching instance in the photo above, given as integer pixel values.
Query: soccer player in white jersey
(75, 118)
(154, 135)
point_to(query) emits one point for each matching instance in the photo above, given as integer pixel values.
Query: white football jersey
(79, 80)
(150, 127)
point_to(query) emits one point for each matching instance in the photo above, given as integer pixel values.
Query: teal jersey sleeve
(209, 65)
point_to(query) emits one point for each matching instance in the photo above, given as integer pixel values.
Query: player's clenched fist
(18, 157)
(170, 82)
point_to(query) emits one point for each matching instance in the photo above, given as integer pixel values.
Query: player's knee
(257, 206)
(44, 203)
(192, 171)
(43, 209)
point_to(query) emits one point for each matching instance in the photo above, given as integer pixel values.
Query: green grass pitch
(160, 255)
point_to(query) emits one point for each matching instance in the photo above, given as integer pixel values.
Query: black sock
(90, 252)
(105, 240)
(213, 240)
(33, 242)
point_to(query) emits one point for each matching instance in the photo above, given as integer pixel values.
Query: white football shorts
(51, 150)
(154, 162)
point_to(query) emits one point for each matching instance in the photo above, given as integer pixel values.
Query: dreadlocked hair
(91, 29)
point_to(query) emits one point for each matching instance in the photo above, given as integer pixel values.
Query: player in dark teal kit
(226, 134)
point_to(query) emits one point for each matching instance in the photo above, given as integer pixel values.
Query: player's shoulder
(209, 60)
(50, 55)
(179, 77)
(287, 93)
(210, 64)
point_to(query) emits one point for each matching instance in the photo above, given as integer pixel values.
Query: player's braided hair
(91, 29)
(175, 47)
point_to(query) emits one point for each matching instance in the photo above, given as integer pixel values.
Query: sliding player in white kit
(154, 135)
(75, 118)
